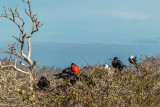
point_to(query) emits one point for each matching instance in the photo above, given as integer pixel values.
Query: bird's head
(73, 64)
(132, 57)
(115, 58)
(41, 78)
(106, 66)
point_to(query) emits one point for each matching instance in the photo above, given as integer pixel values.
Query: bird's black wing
(114, 64)
(120, 65)
(65, 75)
(130, 60)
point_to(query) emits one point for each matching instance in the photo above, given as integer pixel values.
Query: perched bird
(70, 73)
(43, 82)
(133, 61)
(106, 66)
(116, 63)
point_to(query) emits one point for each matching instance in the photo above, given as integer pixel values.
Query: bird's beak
(39, 79)
(110, 59)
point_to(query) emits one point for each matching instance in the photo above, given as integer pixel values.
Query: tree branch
(24, 65)
(17, 38)
(13, 53)
(2, 67)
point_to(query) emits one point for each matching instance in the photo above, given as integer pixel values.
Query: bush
(131, 87)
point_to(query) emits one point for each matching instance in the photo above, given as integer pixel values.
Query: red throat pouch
(75, 68)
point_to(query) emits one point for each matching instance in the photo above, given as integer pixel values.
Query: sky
(91, 21)
(107, 22)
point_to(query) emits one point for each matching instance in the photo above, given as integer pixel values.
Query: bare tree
(14, 16)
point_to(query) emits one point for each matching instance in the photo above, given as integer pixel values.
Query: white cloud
(120, 14)
(127, 15)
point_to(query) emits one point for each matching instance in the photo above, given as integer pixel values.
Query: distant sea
(63, 54)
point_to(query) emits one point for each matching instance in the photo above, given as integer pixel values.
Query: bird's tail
(125, 66)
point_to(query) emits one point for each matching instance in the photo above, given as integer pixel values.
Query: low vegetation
(131, 87)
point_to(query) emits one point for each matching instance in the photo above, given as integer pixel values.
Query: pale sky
(90, 21)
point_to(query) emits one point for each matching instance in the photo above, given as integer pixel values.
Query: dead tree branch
(14, 16)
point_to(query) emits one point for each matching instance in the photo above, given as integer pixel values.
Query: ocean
(63, 54)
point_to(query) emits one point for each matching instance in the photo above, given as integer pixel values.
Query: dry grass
(131, 87)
